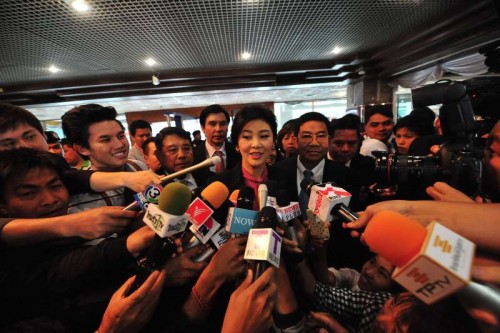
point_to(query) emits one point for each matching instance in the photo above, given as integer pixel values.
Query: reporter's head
(31, 185)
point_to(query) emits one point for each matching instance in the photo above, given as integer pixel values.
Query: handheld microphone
(166, 219)
(345, 213)
(241, 218)
(264, 243)
(210, 199)
(323, 197)
(432, 262)
(234, 197)
(262, 192)
(287, 212)
(214, 160)
(200, 213)
(153, 191)
(216, 241)
(245, 198)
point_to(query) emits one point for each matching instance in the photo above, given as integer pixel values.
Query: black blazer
(333, 171)
(232, 156)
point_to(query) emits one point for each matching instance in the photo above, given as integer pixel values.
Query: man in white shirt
(175, 153)
(139, 131)
(378, 130)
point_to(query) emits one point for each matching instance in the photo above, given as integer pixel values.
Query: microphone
(241, 218)
(245, 198)
(216, 241)
(210, 199)
(262, 192)
(234, 196)
(214, 160)
(200, 213)
(153, 191)
(287, 211)
(432, 262)
(166, 219)
(264, 243)
(323, 197)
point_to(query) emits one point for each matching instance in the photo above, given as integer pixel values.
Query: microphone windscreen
(234, 196)
(282, 198)
(215, 193)
(395, 237)
(174, 199)
(268, 218)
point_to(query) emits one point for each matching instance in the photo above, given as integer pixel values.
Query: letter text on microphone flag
(240, 221)
(265, 245)
(324, 197)
(440, 267)
(199, 212)
(220, 237)
(289, 212)
(164, 224)
(206, 230)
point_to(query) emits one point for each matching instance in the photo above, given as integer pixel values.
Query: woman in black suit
(253, 133)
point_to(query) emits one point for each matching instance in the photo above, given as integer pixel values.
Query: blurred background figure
(54, 143)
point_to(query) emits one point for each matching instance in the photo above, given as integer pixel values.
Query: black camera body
(459, 162)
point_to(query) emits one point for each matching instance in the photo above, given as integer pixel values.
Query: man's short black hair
(311, 116)
(145, 145)
(411, 122)
(196, 132)
(385, 110)
(137, 124)
(249, 113)
(347, 122)
(170, 131)
(11, 116)
(212, 109)
(76, 122)
(15, 163)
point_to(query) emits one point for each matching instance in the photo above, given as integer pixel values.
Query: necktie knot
(308, 174)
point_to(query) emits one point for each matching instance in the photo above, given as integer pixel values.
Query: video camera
(459, 161)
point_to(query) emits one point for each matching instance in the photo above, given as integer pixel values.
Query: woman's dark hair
(249, 113)
(287, 128)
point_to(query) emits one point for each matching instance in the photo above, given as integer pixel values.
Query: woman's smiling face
(255, 144)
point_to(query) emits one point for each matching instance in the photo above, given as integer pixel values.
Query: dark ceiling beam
(110, 80)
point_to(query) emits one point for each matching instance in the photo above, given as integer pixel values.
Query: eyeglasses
(307, 137)
(341, 143)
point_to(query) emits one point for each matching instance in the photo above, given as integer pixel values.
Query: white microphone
(262, 192)
(214, 160)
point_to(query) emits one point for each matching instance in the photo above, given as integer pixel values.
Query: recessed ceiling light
(336, 50)
(80, 5)
(53, 69)
(245, 55)
(150, 62)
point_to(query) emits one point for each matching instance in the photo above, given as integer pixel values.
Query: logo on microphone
(443, 244)
(152, 193)
(198, 212)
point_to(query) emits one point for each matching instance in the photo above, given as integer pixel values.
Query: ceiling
(198, 48)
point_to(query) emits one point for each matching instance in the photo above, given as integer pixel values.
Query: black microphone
(245, 198)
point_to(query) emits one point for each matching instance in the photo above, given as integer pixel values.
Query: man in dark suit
(344, 148)
(175, 153)
(214, 121)
(313, 132)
